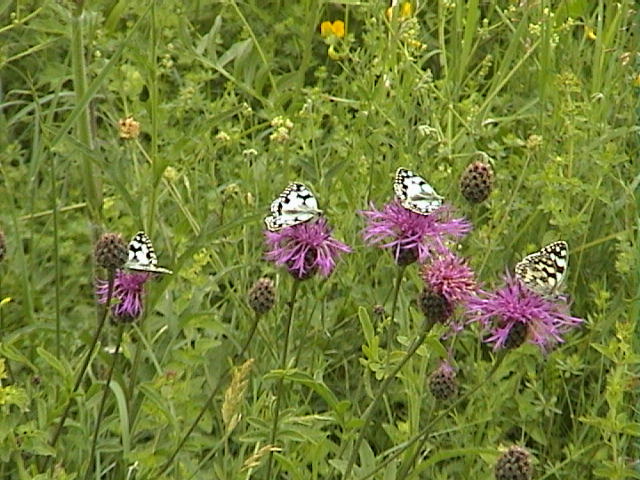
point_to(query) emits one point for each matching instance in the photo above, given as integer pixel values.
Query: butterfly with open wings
(545, 271)
(295, 205)
(415, 193)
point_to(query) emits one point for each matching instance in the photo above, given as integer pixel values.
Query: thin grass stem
(283, 366)
(85, 363)
(423, 434)
(103, 401)
(207, 404)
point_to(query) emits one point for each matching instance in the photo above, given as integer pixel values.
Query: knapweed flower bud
(3, 246)
(476, 182)
(262, 296)
(516, 336)
(436, 307)
(443, 383)
(406, 256)
(111, 251)
(514, 464)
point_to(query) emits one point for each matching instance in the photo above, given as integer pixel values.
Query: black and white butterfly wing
(415, 193)
(142, 257)
(545, 271)
(295, 205)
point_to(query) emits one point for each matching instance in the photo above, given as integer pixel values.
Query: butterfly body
(415, 193)
(295, 205)
(142, 256)
(545, 271)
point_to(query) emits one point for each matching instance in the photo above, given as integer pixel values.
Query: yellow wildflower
(335, 29)
(406, 11)
(589, 33)
(636, 80)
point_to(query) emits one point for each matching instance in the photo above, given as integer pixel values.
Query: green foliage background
(548, 91)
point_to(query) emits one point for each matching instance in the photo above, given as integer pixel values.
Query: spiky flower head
(128, 291)
(305, 249)
(476, 182)
(411, 236)
(443, 383)
(435, 306)
(111, 251)
(450, 276)
(505, 312)
(514, 464)
(262, 296)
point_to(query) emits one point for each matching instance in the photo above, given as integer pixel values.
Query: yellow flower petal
(406, 10)
(588, 31)
(389, 13)
(326, 29)
(338, 28)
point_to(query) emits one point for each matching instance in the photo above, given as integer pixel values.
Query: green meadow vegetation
(186, 119)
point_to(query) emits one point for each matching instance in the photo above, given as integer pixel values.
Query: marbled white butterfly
(295, 205)
(545, 270)
(414, 193)
(142, 257)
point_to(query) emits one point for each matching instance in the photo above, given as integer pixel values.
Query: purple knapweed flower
(450, 276)
(305, 248)
(128, 289)
(515, 313)
(412, 236)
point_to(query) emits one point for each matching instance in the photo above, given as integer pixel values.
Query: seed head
(443, 383)
(476, 182)
(231, 407)
(514, 464)
(111, 251)
(262, 296)
(435, 306)
(128, 128)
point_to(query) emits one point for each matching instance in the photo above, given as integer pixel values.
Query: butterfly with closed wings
(295, 205)
(142, 257)
(544, 271)
(414, 193)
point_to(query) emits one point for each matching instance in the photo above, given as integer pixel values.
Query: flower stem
(423, 434)
(103, 401)
(368, 414)
(283, 365)
(209, 401)
(85, 363)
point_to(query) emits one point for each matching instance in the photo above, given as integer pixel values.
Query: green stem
(103, 402)
(368, 414)
(56, 252)
(423, 434)
(85, 363)
(283, 366)
(209, 401)
(91, 182)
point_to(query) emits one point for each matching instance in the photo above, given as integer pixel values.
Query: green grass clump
(233, 101)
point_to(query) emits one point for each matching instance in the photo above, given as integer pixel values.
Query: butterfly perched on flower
(142, 256)
(295, 205)
(544, 271)
(414, 193)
